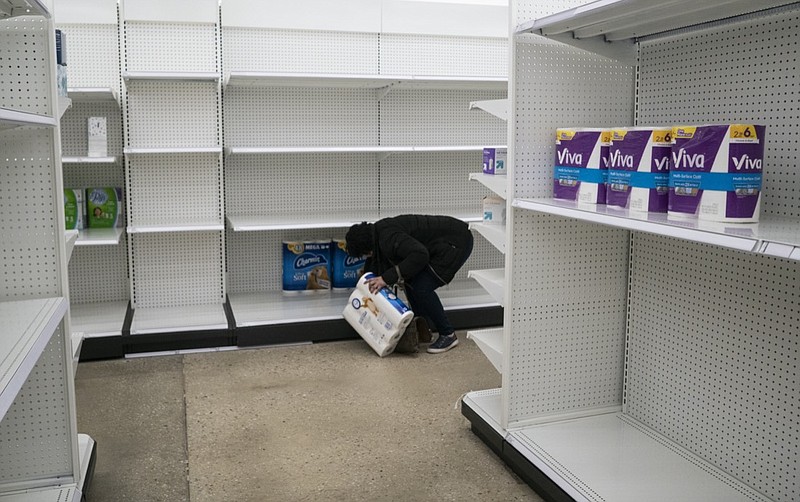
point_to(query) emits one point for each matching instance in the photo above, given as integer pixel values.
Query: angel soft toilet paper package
(638, 168)
(379, 318)
(306, 266)
(717, 172)
(581, 164)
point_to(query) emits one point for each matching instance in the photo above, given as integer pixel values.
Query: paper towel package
(345, 269)
(494, 160)
(306, 267)
(716, 173)
(494, 210)
(581, 164)
(380, 318)
(74, 209)
(104, 207)
(638, 168)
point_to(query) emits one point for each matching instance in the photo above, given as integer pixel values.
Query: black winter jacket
(405, 245)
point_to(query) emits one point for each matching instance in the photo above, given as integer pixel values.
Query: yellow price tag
(743, 131)
(662, 136)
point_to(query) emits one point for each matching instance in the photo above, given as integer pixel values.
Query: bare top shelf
(12, 8)
(312, 80)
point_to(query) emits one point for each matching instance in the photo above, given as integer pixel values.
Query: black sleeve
(408, 254)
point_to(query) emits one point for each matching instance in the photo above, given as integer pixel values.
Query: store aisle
(315, 422)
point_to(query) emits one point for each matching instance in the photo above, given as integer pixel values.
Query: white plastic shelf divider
(99, 237)
(495, 234)
(13, 8)
(449, 82)
(201, 76)
(63, 105)
(28, 326)
(189, 227)
(153, 151)
(267, 222)
(12, 118)
(273, 307)
(490, 341)
(103, 319)
(92, 94)
(495, 183)
(148, 320)
(488, 404)
(77, 342)
(61, 493)
(496, 107)
(493, 281)
(88, 160)
(71, 238)
(772, 236)
(312, 80)
(612, 457)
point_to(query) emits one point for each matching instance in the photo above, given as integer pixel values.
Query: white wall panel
(184, 11)
(444, 18)
(402, 54)
(323, 15)
(86, 11)
(171, 47)
(93, 55)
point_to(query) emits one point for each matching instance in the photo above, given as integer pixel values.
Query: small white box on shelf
(494, 210)
(98, 137)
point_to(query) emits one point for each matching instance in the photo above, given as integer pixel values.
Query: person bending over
(419, 252)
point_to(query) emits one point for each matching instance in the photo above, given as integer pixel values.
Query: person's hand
(375, 284)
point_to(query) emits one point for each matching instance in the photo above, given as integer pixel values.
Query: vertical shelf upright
(171, 102)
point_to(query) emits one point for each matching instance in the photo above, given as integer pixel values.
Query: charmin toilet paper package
(104, 207)
(345, 269)
(638, 168)
(494, 210)
(494, 160)
(581, 164)
(380, 318)
(717, 172)
(74, 209)
(306, 266)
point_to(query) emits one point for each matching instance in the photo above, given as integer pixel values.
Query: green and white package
(74, 210)
(104, 207)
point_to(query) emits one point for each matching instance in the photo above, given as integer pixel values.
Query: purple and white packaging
(494, 160)
(638, 168)
(717, 172)
(581, 164)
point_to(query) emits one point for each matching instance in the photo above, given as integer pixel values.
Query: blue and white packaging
(494, 210)
(345, 269)
(494, 160)
(306, 267)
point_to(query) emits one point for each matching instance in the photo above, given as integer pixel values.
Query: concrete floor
(305, 423)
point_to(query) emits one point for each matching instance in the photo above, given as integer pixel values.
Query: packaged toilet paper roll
(380, 318)
(638, 168)
(717, 172)
(306, 267)
(581, 164)
(345, 269)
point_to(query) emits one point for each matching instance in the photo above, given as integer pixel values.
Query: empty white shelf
(71, 237)
(187, 227)
(12, 118)
(496, 183)
(288, 222)
(88, 160)
(63, 105)
(92, 94)
(28, 326)
(495, 234)
(613, 457)
(171, 150)
(488, 404)
(493, 281)
(334, 80)
(381, 150)
(490, 341)
(176, 319)
(102, 319)
(202, 76)
(99, 236)
(12, 8)
(61, 493)
(772, 236)
(496, 107)
(77, 342)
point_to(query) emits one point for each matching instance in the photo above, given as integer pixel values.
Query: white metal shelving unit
(646, 358)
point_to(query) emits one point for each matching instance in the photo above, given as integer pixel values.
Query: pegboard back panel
(24, 59)
(75, 124)
(93, 55)
(28, 216)
(167, 46)
(439, 117)
(35, 432)
(300, 117)
(559, 86)
(177, 269)
(734, 73)
(568, 298)
(434, 183)
(174, 189)
(411, 54)
(712, 357)
(99, 274)
(280, 50)
(172, 114)
(302, 184)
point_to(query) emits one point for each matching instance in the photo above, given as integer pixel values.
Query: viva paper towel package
(345, 269)
(581, 164)
(306, 267)
(716, 172)
(104, 207)
(74, 209)
(638, 168)
(380, 318)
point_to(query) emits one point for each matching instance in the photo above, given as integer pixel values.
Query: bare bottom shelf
(147, 320)
(98, 319)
